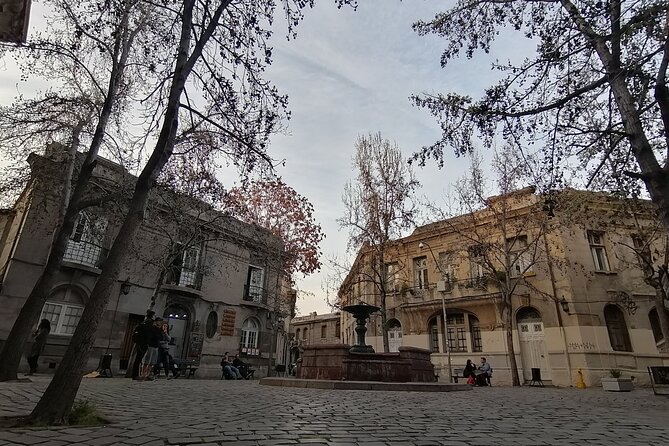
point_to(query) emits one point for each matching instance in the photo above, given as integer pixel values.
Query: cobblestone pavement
(197, 412)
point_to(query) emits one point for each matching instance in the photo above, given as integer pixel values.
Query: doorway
(394, 335)
(126, 348)
(177, 318)
(532, 340)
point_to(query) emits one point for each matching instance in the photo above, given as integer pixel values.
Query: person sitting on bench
(229, 370)
(246, 371)
(485, 370)
(469, 372)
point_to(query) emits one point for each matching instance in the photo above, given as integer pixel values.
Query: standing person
(39, 342)
(163, 350)
(154, 336)
(141, 339)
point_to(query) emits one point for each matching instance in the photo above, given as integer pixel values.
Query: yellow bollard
(580, 384)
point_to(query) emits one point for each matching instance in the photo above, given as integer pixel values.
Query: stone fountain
(360, 363)
(361, 313)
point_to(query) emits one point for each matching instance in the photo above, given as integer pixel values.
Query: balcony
(85, 253)
(255, 295)
(184, 280)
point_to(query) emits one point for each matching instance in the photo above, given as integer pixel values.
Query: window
(476, 261)
(185, 266)
(338, 329)
(249, 339)
(457, 337)
(212, 324)
(615, 324)
(655, 325)
(324, 331)
(254, 283)
(85, 244)
(598, 250)
(642, 250)
(519, 262)
(475, 332)
(433, 330)
(63, 317)
(446, 269)
(420, 273)
(304, 334)
(297, 334)
(392, 277)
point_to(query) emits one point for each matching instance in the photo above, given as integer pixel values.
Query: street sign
(14, 15)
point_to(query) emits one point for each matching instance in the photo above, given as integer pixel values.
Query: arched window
(615, 324)
(249, 334)
(297, 334)
(63, 309)
(304, 334)
(655, 325)
(212, 324)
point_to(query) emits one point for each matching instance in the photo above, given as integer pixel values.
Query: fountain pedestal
(361, 313)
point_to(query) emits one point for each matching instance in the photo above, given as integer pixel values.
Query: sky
(351, 73)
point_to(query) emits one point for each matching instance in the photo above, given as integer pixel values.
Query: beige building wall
(562, 277)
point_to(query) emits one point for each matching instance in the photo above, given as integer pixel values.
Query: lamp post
(421, 245)
(125, 289)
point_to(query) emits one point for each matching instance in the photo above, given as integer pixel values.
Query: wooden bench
(185, 367)
(659, 379)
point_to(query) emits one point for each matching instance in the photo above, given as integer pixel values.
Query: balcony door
(255, 283)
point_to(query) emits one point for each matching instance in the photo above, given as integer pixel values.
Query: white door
(533, 349)
(395, 339)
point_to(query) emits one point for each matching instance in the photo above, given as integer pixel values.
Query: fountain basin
(337, 362)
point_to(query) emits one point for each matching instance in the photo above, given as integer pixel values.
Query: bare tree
(114, 42)
(596, 89)
(221, 50)
(378, 207)
(505, 234)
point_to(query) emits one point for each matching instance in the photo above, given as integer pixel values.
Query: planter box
(617, 384)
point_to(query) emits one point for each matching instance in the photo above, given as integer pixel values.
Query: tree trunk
(662, 313)
(507, 319)
(384, 323)
(57, 400)
(12, 350)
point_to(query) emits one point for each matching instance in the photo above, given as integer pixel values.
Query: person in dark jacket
(141, 339)
(469, 372)
(39, 342)
(164, 358)
(154, 336)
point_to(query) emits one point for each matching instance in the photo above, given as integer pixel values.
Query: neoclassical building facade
(216, 280)
(568, 264)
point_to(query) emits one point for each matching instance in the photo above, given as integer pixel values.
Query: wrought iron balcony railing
(184, 277)
(85, 253)
(253, 293)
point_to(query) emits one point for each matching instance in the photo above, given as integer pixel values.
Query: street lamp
(421, 245)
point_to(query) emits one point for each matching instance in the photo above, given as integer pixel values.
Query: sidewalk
(198, 412)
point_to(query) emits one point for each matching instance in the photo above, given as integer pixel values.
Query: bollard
(580, 384)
